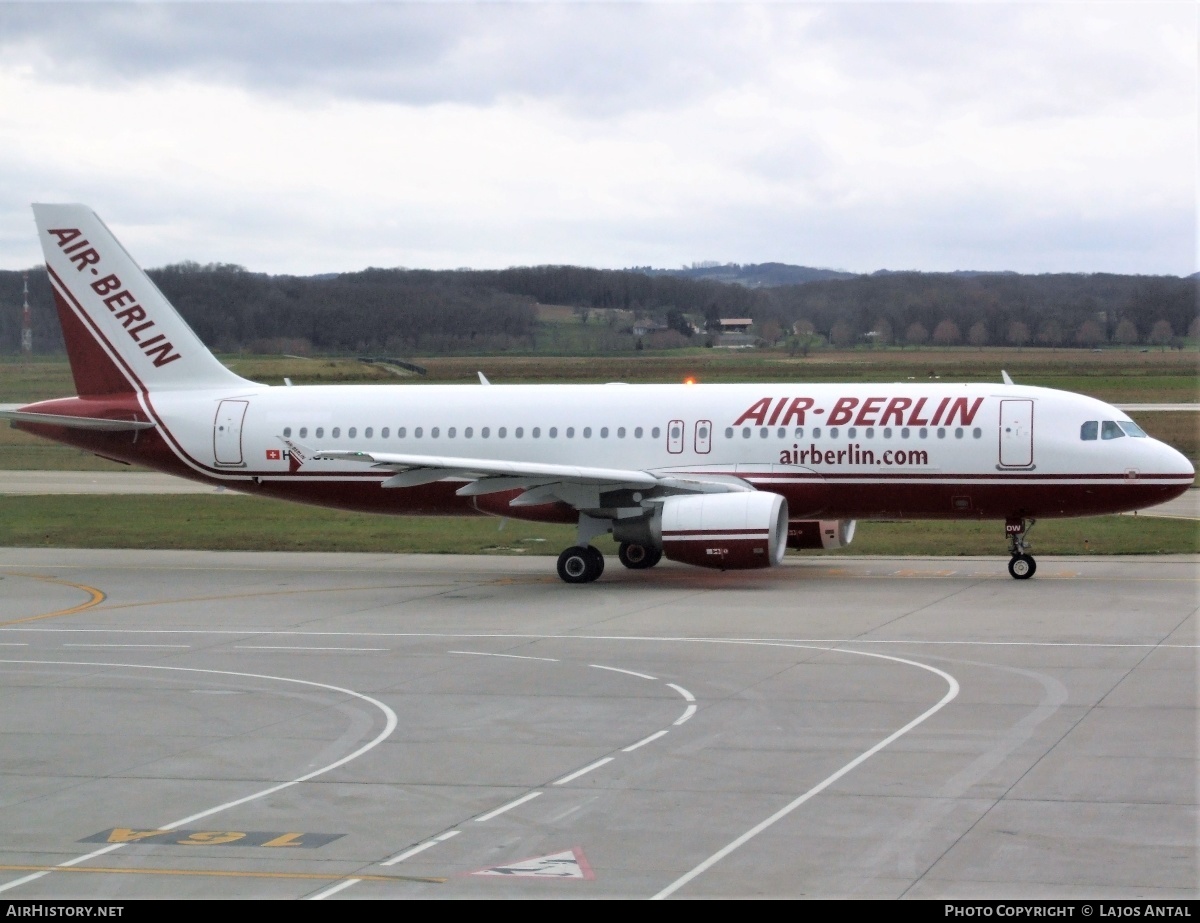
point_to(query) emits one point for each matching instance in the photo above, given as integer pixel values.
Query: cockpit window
(1132, 429)
(1110, 430)
(1089, 430)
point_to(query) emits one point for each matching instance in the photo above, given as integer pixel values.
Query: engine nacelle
(827, 534)
(734, 531)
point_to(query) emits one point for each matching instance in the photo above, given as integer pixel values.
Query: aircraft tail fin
(122, 334)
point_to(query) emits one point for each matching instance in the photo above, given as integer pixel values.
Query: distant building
(735, 324)
(643, 327)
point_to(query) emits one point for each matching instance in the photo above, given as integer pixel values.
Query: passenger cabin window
(352, 431)
(1110, 430)
(287, 430)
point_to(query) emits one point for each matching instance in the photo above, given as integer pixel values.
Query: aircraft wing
(543, 482)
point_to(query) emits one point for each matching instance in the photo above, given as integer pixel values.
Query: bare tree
(978, 334)
(1161, 334)
(1126, 333)
(842, 335)
(1018, 334)
(947, 333)
(916, 334)
(1050, 334)
(1090, 333)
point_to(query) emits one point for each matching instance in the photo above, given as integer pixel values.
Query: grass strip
(231, 522)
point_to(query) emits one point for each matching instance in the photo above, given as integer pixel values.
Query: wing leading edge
(542, 482)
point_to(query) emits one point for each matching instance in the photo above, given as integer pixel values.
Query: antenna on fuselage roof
(1004, 375)
(483, 378)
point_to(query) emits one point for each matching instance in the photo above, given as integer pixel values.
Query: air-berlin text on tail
(871, 411)
(120, 302)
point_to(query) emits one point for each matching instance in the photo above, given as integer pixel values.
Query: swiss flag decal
(274, 455)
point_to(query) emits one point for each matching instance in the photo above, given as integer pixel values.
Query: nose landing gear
(1021, 565)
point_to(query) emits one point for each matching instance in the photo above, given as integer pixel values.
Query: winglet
(1004, 375)
(483, 379)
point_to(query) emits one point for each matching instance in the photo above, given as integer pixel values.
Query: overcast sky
(314, 137)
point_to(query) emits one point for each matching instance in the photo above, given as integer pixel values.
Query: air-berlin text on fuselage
(120, 302)
(871, 411)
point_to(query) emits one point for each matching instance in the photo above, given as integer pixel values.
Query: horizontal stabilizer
(96, 424)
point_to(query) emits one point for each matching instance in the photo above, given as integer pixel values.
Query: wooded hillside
(425, 312)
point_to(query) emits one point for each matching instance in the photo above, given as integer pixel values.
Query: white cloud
(307, 138)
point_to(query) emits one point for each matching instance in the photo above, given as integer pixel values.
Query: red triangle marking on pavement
(567, 864)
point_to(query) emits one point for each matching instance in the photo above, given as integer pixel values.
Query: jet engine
(735, 531)
(827, 533)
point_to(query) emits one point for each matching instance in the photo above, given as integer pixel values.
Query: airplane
(724, 476)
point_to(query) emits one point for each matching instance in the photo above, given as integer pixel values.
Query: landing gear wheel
(1022, 566)
(596, 559)
(638, 557)
(580, 564)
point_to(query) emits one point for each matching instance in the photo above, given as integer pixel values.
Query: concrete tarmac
(319, 726)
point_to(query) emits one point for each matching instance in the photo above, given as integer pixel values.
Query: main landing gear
(1022, 566)
(584, 563)
(638, 557)
(580, 564)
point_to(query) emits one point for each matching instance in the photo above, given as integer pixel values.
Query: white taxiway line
(646, 740)
(390, 723)
(508, 807)
(340, 886)
(509, 656)
(409, 853)
(175, 646)
(787, 809)
(687, 713)
(266, 647)
(599, 666)
(586, 769)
